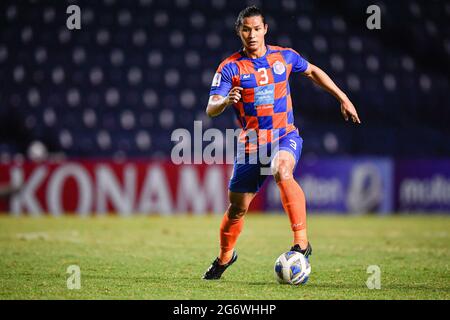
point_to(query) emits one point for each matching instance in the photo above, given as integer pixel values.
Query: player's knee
(282, 171)
(236, 211)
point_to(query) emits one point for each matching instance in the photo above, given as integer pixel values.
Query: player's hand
(234, 95)
(348, 111)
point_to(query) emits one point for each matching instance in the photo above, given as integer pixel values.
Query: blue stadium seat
(136, 71)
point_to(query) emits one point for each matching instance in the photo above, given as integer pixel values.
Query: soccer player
(255, 82)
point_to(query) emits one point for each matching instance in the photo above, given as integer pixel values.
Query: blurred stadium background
(86, 116)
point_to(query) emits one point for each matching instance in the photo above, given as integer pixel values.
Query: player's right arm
(222, 92)
(217, 103)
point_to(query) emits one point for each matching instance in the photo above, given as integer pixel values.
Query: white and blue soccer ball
(292, 268)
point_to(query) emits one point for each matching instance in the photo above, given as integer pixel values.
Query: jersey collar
(244, 56)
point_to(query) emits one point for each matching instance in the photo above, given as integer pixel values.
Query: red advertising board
(102, 187)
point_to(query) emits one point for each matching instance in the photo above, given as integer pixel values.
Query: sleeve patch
(216, 80)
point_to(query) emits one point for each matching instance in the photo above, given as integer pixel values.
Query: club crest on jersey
(216, 80)
(279, 68)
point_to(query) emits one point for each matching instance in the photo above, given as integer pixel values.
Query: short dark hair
(252, 11)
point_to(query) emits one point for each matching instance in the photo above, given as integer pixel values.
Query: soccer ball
(292, 268)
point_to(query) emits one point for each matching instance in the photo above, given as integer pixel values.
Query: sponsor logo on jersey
(264, 95)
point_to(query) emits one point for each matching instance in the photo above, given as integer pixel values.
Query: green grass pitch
(165, 257)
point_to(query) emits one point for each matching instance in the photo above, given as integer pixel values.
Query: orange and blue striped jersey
(266, 105)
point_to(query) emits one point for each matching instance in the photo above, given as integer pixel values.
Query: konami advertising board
(148, 187)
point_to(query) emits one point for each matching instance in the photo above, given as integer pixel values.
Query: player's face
(252, 33)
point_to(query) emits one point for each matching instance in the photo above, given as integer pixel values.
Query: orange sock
(294, 203)
(229, 232)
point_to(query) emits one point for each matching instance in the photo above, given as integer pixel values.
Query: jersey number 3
(264, 76)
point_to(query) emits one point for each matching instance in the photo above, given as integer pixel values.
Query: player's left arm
(323, 80)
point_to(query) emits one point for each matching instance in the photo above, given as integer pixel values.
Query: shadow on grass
(345, 286)
(441, 290)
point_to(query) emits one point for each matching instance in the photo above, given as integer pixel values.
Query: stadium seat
(138, 70)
